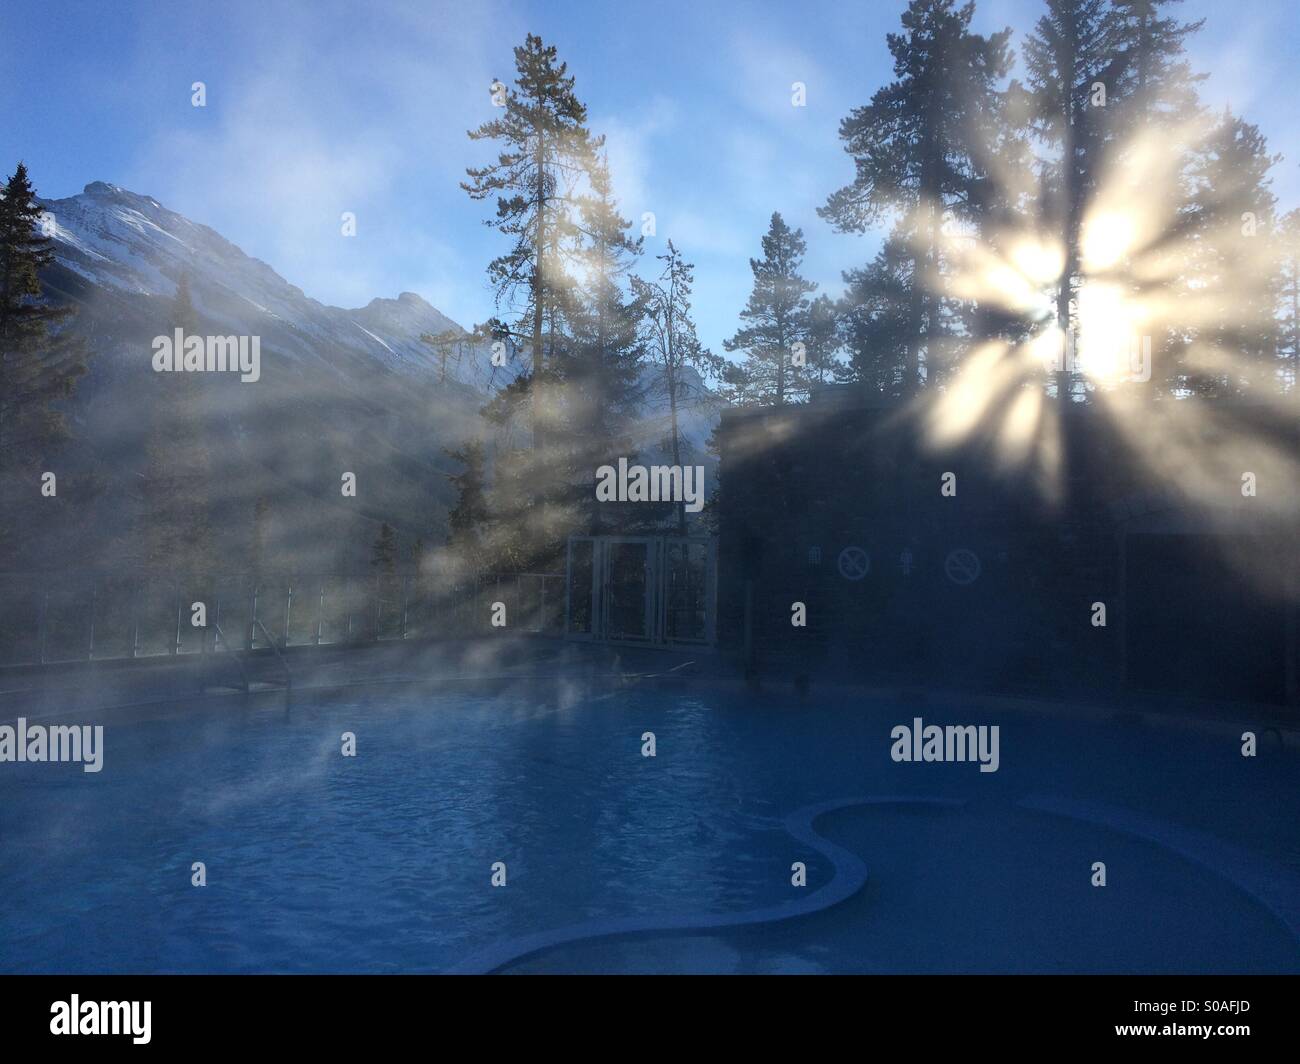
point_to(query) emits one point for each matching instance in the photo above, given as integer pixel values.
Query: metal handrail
(219, 637)
(288, 676)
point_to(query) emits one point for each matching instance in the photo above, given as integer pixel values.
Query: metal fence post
(568, 594)
(320, 610)
(288, 606)
(406, 600)
(44, 624)
(180, 607)
(216, 620)
(252, 614)
(135, 621)
(94, 602)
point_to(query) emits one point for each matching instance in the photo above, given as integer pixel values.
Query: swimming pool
(615, 861)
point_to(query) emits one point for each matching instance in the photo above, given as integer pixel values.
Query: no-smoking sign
(962, 566)
(854, 563)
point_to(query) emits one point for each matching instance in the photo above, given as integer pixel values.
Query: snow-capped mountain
(341, 390)
(123, 242)
(126, 245)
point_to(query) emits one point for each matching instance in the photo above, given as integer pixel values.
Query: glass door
(628, 586)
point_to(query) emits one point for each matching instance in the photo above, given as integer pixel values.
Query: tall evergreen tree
(1289, 300)
(527, 530)
(1072, 50)
(526, 489)
(876, 315)
(601, 368)
(777, 319)
(177, 537)
(547, 148)
(1005, 209)
(918, 150)
(468, 520)
(383, 552)
(447, 345)
(671, 342)
(823, 338)
(1231, 272)
(39, 364)
(1156, 82)
(1154, 109)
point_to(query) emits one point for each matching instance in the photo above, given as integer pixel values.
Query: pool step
(254, 687)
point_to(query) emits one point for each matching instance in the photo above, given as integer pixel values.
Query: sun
(1139, 295)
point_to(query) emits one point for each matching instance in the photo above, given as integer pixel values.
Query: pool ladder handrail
(220, 637)
(288, 676)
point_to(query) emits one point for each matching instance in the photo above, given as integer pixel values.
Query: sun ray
(1156, 303)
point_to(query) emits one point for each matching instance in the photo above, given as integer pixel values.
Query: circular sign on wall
(854, 563)
(962, 566)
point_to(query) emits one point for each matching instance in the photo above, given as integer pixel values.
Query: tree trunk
(670, 366)
(538, 285)
(677, 447)
(1071, 191)
(780, 369)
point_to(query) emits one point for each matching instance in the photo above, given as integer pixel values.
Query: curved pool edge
(1274, 887)
(849, 876)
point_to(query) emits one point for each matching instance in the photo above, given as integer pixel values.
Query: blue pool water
(382, 862)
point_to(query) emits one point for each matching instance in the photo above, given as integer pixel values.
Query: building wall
(800, 484)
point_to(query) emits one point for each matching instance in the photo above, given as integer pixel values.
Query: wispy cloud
(306, 128)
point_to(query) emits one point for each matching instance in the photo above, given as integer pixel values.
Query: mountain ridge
(341, 389)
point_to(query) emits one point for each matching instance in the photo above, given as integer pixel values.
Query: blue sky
(315, 108)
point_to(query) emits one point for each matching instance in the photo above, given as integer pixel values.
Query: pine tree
(467, 523)
(601, 368)
(670, 340)
(1072, 49)
(1004, 210)
(919, 153)
(383, 552)
(447, 344)
(824, 339)
(177, 534)
(418, 556)
(1156, 83)
(527, 530)
(1231, 273)
(876, 315)
(527, 491)
(1154, 109)
(39, 364)
(546, 151)
(777, 317)
(1289, 300)
(383, 559)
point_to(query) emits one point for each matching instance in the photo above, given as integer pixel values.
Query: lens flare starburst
(1164, 328)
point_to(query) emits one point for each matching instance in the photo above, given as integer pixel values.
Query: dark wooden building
(956, 566)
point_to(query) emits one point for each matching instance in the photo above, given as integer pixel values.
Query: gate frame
(656, 590)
